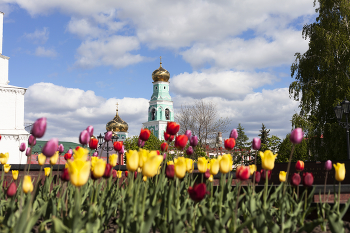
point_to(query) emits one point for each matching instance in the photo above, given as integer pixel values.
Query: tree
(153, 143)
(264, 135)
(242, 141)
(322, 77)
(301, 151)
(202, 118)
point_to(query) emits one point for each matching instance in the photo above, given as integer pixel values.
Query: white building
(12, 111)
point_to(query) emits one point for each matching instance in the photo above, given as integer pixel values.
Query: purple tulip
(70, 151)
(256, 143)
(31, 140)
(22, 147)
(60, 148)
(141, 143)
(194, 141)
(90, 130)
(108, 136)
(28, 151)
(84, 137)
(188, 133)
(328, 165)
(50, 147)
(121, 150)
(164, 156)
(95, 154)
(234, 134)
(296, 136)
(39, 127)
(189, 150)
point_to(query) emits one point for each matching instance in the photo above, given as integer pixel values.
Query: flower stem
(288, 168)
(324, 189)
(235, 213)
(266, 186)
(339, 196)
(221, 195)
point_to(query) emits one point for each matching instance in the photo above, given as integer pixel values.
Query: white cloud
(38, 36)
(42, 52)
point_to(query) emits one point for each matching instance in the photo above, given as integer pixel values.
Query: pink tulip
(108, 136)
(256, 143)
(164, 156)
(328, 165)
(296, 136)
(50, 147)
(121, 151)
(60, 148)
(84, 137)
(22, 147)
(90, 130)
(11, 191)
(39, 127)
(234, 134)
(95, 154)
(189, 150)
(31, 140)
(70, 151)
(141, 143)
(188, 133)
(28, 151)
(194, 141)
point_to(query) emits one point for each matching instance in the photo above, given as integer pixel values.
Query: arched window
(153, 114)
(167, 114)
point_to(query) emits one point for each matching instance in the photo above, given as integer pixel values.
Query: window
(156, 87)
(164, 87)
(167, 114)
(153, 114)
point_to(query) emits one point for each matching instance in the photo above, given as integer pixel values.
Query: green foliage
(153, 143)
(242, 141)
(264, 135)
(301, 151)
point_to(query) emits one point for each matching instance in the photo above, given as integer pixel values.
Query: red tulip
(243, 172)
(263, 174)
(181, 141)
(296, 136)
(11, 191)
(169, 171)
(60, 148)
(114, 173)
(198, 192)
(256, 144)
(84, 137)
(172, 128)
(93, 143)
(230, 143)
(295, 180)
(299, 166)
(90, 130)
(189, 150)
(158, 153)
(65, 175)
(108, 136)
(22, 147)
(50, 147)
(168, 137)
(0, 137)
(31, 140)
(39, 128)
(308, 179)
(164, 146)
(108, 170)
(207, 174)
(67, 156)
(257, 176)
(144, 134)
(118, 145)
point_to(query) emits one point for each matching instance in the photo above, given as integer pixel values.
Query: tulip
(226, 163)
(67, 156)
(118, 173)
(198, 192)
(150, 168)
(126, 173)
(47, 171)
(39, 128)
(256, 144)
(189, 151)
(108, 171)
(65, 174)
(108, 136)
(98, 167)
(214, 166)
(70, 151)
(95, 154)
(257, 176)
(132, 160)
(211, 178)
(140, 143)
(282, 176)
(84, 137)
(170, 162)
(90, 130)
(180, 167)
(143, 156)
(168, 137)
(189, 165)
(118, 145)
(80, 153)
(28, 151)
(188, 133)
(31, 140)
(14, 174)
(308, 179)
(144, 178)
(263, 174)
(172, 128)
(202, 164)
(299, 166)
(12, 189)
(121, 151)
(4, 158)
(27, 184)
(22, 147)
(50, 147)
(79, 171)
(194, 141)
(164, 146)
(296, 136)
(113, 159)
(170, 171)
(60, 148)
(252, 169)
(93, 143)
(234, 134)
(145, 134)
(181, 141)
(41, 159)
(267, 160)
(0, 137)
(328, 165)
(230, 143)
(295, 180)
(7, 168)
(339, 171)
(243, 173)
(54, 159)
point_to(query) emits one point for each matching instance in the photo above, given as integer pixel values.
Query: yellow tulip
(7, 168)
(252, 169)
(143, 156)
(79, 171)
(151, 166)
(41, 159)
(189, 165)
(180, 167)
(211, 178)
(170, 162)
(202, 164)
(226, 164)
(4, 158)
(14, 174)
(119, 174)
(47, 171)
(339, 171)
(27, 184)
(219, 158)
(98, 168)
(132, 160)
(267, 160)
(66, 165)
(214, 166)
(54, 158)
(144, 178)
(81, 154)
(208, 165)
(113, 159)
(282, 176)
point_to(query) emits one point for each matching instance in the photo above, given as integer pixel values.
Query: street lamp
(339, 110)
(104, 146)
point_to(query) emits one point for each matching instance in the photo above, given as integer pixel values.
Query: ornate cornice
(12, 91)
(15, 137)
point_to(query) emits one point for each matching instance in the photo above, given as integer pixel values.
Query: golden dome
(160, 74)
(117, 124)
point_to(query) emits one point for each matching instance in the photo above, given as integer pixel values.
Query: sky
(78, 58)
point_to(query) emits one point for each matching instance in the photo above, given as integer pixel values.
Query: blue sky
(79, 58)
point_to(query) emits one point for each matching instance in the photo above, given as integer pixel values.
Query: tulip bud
(27, 184)
(296, 136)
(141, 143)
(47, 171)
(339, 171)
(118, 145)
(207, 174)
(328, 165)
(31, 140)
(168, 137)
(308, 179)
(282, 176)
(108, 171)
(11, 191)
(28, 151)
(70, 151)
(189, 150)
(172, 128)
(164, 156)
(164, 146)
(295, 180)
(256, 144)
(90, 130)
(108, 136)
(243, 172)
(14, 174)
(50, 147)
(257, 176)
(121, 151)
(0, 137)
(234, 134)
(194, 141)
(170, 171)
(263, 174)
(67, 156)
(299, 166)
(39, 128)
(188, 133)
(93, 143)
(198, 192)
(145, 134)
(65, 175)
(181, 141)
(126, 173)
(114, 173)
(230, 143)
(84, 137)
(60, 148)
(22, 147)
(95, 154)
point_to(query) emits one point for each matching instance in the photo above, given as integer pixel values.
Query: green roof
(67, 145)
